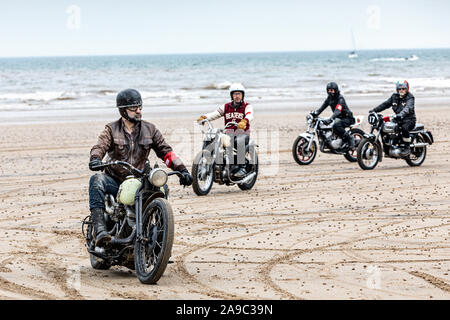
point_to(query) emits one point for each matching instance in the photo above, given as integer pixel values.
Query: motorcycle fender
(380, 150)
(370, 136)
(428, 137)
(153, 197)
(253, 144)
(307, 136)
(358, 121)
(252, 147)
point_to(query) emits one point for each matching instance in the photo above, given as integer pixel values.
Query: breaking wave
(412, 58)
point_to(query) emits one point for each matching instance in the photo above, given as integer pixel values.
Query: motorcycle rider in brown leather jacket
(128, 139)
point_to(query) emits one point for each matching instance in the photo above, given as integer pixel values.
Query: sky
(101, 27)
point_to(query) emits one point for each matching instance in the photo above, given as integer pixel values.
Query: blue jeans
(101, 184)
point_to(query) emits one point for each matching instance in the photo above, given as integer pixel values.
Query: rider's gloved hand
(95, 163)
(242, 124)
(201, 119)
(314, 114)
(327, 121)
(186, 178)
(397, 118)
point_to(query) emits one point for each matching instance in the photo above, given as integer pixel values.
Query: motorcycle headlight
(158, 177)
(309, 119)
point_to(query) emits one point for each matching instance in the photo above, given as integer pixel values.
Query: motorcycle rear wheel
(96, 262)
(418, 155)
(151, 255)
(358, 135)
(249, 185)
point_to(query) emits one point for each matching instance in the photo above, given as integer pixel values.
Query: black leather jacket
(338, 106)
(403, 107)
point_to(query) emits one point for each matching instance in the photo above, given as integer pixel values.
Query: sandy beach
(326, 231)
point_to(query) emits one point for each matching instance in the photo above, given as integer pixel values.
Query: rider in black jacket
(402, 103)
(341, 112)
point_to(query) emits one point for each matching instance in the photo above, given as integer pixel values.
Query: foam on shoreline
(360, 104)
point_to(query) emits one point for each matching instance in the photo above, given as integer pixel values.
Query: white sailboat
(353, 54)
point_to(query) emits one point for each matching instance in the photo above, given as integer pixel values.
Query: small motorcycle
(304, 149)
(214, 162)
(370, 150)
(140, 222)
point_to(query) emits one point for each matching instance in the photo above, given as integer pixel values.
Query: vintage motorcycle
(304, 149)
(215, 162)
(140, 221)
(370, 150)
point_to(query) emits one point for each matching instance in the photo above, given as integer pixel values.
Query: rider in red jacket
(237, 111)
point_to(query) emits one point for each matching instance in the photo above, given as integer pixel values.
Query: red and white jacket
(230, 114)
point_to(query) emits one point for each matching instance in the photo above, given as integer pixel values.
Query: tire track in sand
(435, 281)
(181, 267)
(286, 257)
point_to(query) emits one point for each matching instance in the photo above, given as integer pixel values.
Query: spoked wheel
(418, 154)
(301, 156)
(152, 253)
(250, 168)
(358, 135)
(203, 174)
(368, 154)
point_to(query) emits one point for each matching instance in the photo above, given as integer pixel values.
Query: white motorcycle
(304, 149)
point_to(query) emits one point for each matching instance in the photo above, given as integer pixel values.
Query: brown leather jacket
(135, 148)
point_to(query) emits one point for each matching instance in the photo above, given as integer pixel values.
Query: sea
(67, 84)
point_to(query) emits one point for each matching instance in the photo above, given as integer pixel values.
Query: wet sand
(326, 231)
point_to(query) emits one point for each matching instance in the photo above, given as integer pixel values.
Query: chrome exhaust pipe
(418, 145)
(248, 178)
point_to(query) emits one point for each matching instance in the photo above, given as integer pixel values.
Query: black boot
(241, 173)
(405, 147)
(349, 141)
(101, 235)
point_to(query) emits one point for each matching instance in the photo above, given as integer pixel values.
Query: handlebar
(122, 163)
(230, 123)
(211, 127)
(206, 121)
(131, 168)
(178, 173)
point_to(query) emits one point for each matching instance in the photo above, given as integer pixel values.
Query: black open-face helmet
(129, 98)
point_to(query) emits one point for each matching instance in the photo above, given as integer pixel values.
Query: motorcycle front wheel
(301, 156)
(203, 174)
(368, 154)
(152, 253)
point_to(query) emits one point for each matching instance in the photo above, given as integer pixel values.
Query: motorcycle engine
(115, 210)
(396, 152)
(333, 140)
(336, 144)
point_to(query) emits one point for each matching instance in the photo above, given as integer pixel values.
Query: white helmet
(237, 87)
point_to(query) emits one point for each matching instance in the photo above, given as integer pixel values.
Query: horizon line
(207, 53)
